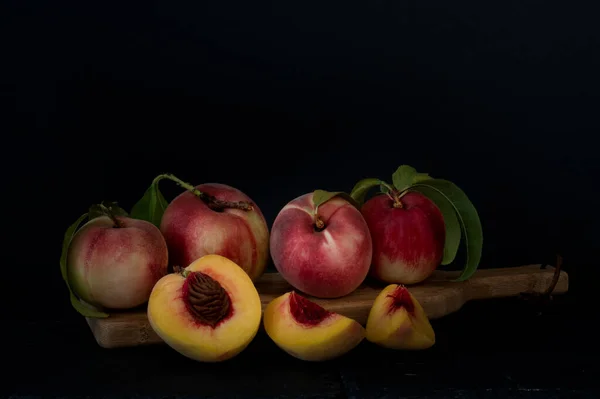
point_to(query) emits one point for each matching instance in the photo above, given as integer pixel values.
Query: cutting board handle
(441, 296)
(506, 282)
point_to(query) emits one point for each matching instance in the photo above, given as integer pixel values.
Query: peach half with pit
(210, 311)
(307, 331)
(398, 321)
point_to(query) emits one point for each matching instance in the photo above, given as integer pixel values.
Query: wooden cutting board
(438, 295)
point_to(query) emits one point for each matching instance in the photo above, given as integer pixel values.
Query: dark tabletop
(492, 348)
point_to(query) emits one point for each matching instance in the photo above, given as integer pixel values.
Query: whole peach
(115, 265)
(325, 255)
(193, 229)
(408, 239)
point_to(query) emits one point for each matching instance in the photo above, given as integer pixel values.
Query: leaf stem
(111, 215)
(386, 185)
(211, 201)
(403, 193)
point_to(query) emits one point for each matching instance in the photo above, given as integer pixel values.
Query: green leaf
(453, 229)
(419, 177)
(360, 190)
(406, 176)
(151, 206)
(96, 210)
(322, 196)
(80, 307)
(403, 177)
(468, 218)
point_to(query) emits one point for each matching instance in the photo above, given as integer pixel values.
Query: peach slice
(210, 311)
(307, 331)
(397, 321)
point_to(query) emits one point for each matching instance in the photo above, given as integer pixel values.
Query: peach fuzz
(408, 237)
(211, 321)
(114, 264)
(397, 321)
(325, 261)
(193, 229)
(307, 331)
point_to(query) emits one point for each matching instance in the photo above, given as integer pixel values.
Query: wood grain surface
(438, 295)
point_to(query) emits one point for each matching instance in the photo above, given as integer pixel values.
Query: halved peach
(210, 311)
(307, 331)
(397, 321)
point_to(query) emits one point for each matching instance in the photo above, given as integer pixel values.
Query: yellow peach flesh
(173, 322)
(332, 337)
(399, 327)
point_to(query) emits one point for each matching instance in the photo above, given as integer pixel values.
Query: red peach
(408, 241)
(326, 263)
(192, 229)
(116, 267)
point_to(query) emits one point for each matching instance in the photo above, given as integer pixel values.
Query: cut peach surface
(210, 311)
(397, 321)
(307, 331)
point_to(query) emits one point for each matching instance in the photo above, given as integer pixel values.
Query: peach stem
(181, 270)
(396, 197)
(320, 225)
(212, 202)
(107, 212)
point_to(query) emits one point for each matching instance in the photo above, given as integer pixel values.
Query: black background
(278, 100)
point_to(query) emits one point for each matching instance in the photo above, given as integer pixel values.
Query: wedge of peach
(397, 321)
(307, 331)
(210, 311)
